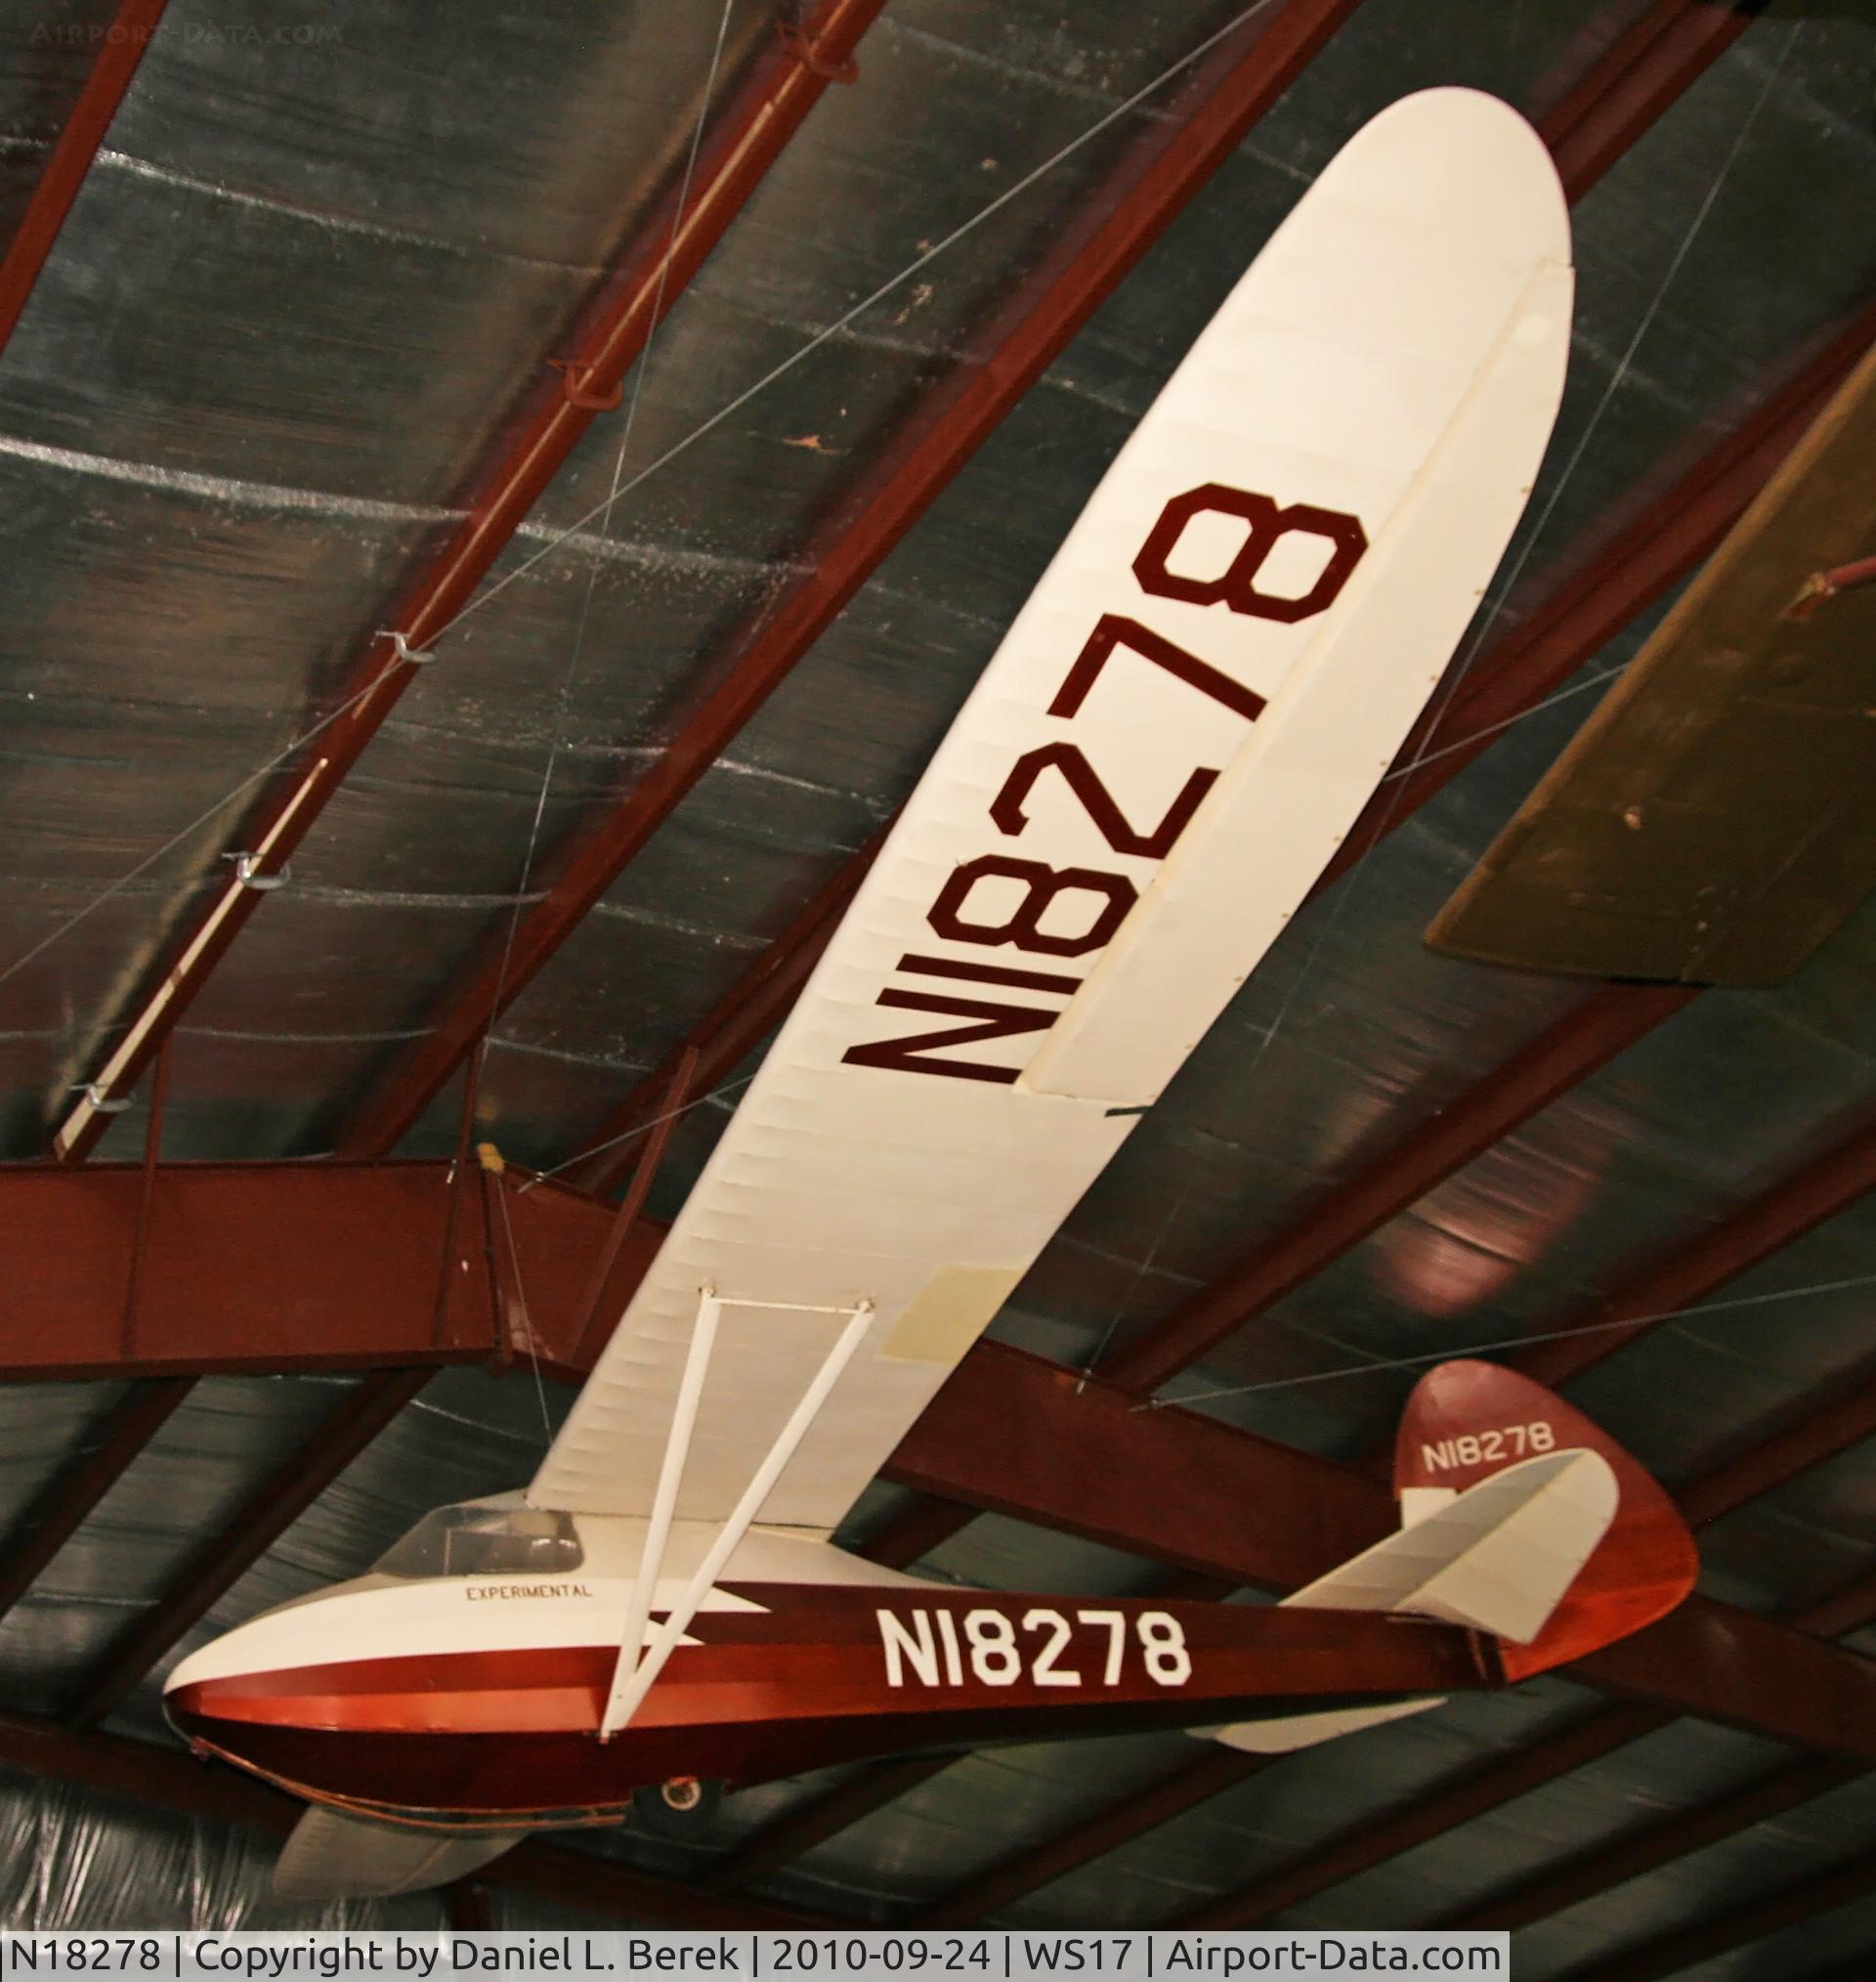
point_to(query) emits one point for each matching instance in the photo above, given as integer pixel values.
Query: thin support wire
(1443, 699)
(638, 1129)
(527, 1312)
(696, 434)
(879, 295)
(1510, 1342)
(604, 512)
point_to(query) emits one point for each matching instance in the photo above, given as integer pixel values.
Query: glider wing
(1184, 719)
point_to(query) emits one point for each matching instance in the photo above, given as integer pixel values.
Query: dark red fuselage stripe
(803, 1684)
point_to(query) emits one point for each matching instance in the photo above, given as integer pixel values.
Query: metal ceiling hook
(102, 1101)
(415, 657)
(247, 870)
(810, 57)
(573, 382)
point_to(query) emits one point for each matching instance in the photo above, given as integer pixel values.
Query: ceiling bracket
(247, 872)
(576, 381)
(805, 51)
(411, 657)
(100, 1097)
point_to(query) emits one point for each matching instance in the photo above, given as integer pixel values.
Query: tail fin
(1499, 1557)
(1521, 1518)
(1469, 1421)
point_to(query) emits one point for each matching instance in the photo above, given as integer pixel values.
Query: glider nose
(237, 1701)
(187, 1675)
(214, 1686)
(221, 1658)
(193, 1692)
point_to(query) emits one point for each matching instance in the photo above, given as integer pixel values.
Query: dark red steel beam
(145, 1773)
(1476, 1790)
(120, 49)
(1845, 1609)
(1712, 1661)
(1558, 1059)
(466, 1909)
(1645, 69)
(1099, 244)
(1646, 1850)
(1740, 1926)
(283, 1267)
(1815, 1436)
(610, 1279)
(1184, 1789)
(1647, 555)
(280, 1500)
(1013, 1433)
(53, 1517)
(827, 1815)
(1500, 1781)
(1817, 1191)
(782, 85)
(915, 1530)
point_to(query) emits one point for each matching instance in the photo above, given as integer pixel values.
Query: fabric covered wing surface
(1360, 423)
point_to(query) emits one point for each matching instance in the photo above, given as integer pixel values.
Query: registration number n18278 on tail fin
(1043, 1646)
(1488, 1448)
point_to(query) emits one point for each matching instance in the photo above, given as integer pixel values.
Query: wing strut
(633, 1675)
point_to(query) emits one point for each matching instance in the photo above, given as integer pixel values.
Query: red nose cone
(190, 1715)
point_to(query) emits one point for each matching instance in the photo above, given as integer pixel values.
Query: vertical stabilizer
(1467, 1421)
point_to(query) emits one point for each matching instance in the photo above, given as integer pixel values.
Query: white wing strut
(671, 1477)
(634, 1676)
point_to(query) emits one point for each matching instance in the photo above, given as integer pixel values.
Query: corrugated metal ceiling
(306, 284)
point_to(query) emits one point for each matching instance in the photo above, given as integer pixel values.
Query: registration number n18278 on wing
(1041, 1645)
(1006, 899)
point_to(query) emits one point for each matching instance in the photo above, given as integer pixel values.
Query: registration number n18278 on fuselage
(1045, 1646)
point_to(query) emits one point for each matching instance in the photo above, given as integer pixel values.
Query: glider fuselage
(458, 1700)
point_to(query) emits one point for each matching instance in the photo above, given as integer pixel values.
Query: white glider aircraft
(1183, 721)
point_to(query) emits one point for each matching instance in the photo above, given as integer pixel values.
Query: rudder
(1468, 1420)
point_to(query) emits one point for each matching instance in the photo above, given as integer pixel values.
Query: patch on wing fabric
(950, 1311)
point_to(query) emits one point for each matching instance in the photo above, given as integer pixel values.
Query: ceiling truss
(134, 1270)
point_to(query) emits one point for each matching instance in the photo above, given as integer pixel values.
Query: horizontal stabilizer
(334, 1855)
(1291, 1731)
(1498, 1557)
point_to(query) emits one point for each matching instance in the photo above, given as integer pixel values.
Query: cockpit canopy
(476, 1540)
